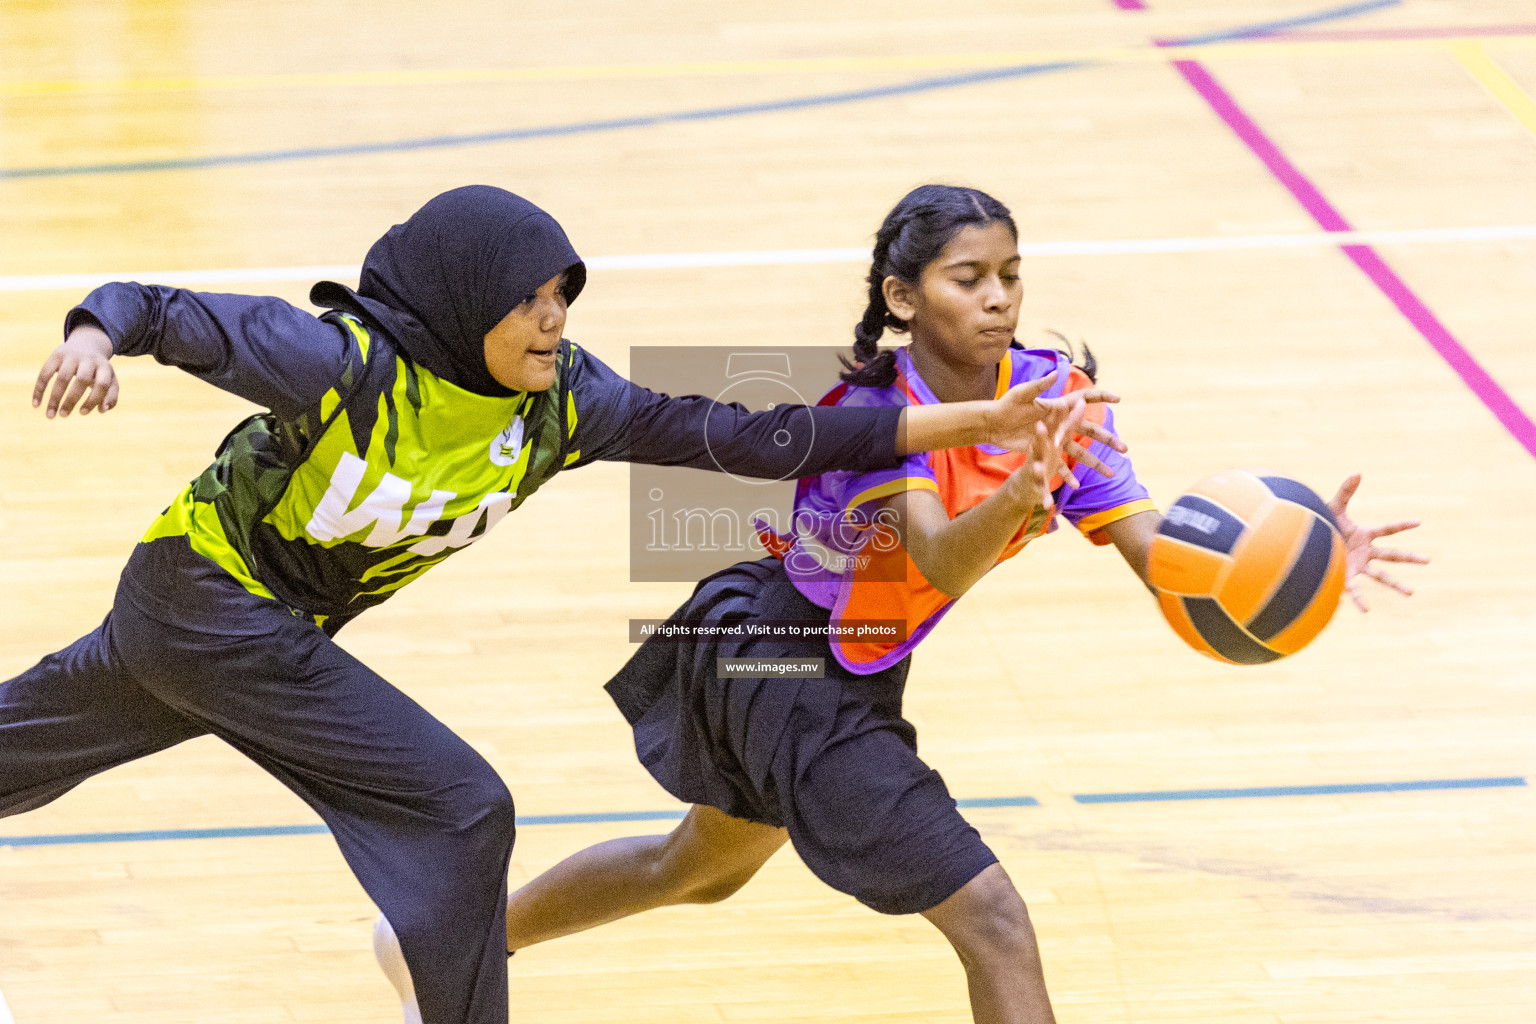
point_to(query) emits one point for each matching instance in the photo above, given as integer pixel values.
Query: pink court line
(1131, 5)
(1363, 256)
(1364, 34)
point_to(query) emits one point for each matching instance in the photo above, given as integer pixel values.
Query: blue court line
(161, 835)
(546, 131)
(601, 816)
(75, 838)
(433, 142)
(71, 839)
(1270, 28)
(1259, 791)
(999, 801)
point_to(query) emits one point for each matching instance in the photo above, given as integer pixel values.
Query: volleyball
(1248, 566)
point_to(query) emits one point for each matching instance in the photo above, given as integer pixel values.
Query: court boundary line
(1393, 287)
(1311, 199)
(1445, 32)
(1282, 42)
(603, 125)
(1279, 39)
(1279, 26)
(1498, 82)
(976, 803)
(1331, 789)
(794, 257)
(592, 127)
(5, 1011)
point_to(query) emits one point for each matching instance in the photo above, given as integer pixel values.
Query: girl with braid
(829, 764)
(398, 427)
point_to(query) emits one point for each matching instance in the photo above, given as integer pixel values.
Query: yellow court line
(1496, 80)
(941, 62)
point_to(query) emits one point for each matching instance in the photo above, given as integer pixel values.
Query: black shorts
(831, 759)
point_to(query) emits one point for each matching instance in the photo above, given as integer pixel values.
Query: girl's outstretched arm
(952, 554)
(617, 420)
(1007, 422)
(260, 348)
(1133, 537)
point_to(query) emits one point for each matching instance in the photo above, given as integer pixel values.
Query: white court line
(5, 1012)
(788, 257)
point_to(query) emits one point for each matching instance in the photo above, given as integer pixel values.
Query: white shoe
(386, 949)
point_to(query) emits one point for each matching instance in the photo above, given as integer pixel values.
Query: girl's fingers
(1059, 467)
(1098, 395)
(1085, 457)
(1053, 410)
(1394, 555)
(1040, 448)
(99, 385)
(1064, 443)
(1391, 528)
(1031, 390)
(61, 383)
(1388, 581)
(1345, 492)
(111, 400)
(1098, 432)
(77, 387)
(1355, 596)
(1034, 468)
(1073, 420)
(50, 367)
(1051, 461)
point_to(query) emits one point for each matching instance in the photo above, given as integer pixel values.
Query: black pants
(423, 821)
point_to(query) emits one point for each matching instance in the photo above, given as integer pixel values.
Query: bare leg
(988, 925)
(706, 858)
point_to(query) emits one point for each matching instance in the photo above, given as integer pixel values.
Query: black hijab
(439, 282)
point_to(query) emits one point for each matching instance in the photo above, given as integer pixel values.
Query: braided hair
(913, 235)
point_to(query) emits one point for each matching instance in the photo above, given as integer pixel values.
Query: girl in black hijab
(399, 426)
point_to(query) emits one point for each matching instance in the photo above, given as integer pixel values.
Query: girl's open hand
(1021, 408)
(83, 367)
(1361, 550)
(1031, 481)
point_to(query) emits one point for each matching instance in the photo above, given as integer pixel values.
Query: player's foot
(386, 949)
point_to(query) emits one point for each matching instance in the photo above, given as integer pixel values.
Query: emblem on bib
(508, 444)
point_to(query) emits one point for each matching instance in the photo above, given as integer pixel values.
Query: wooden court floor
(1173, 203)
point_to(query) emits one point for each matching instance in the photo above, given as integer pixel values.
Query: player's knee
(496, 798)
(998, 928)
(482, 803)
